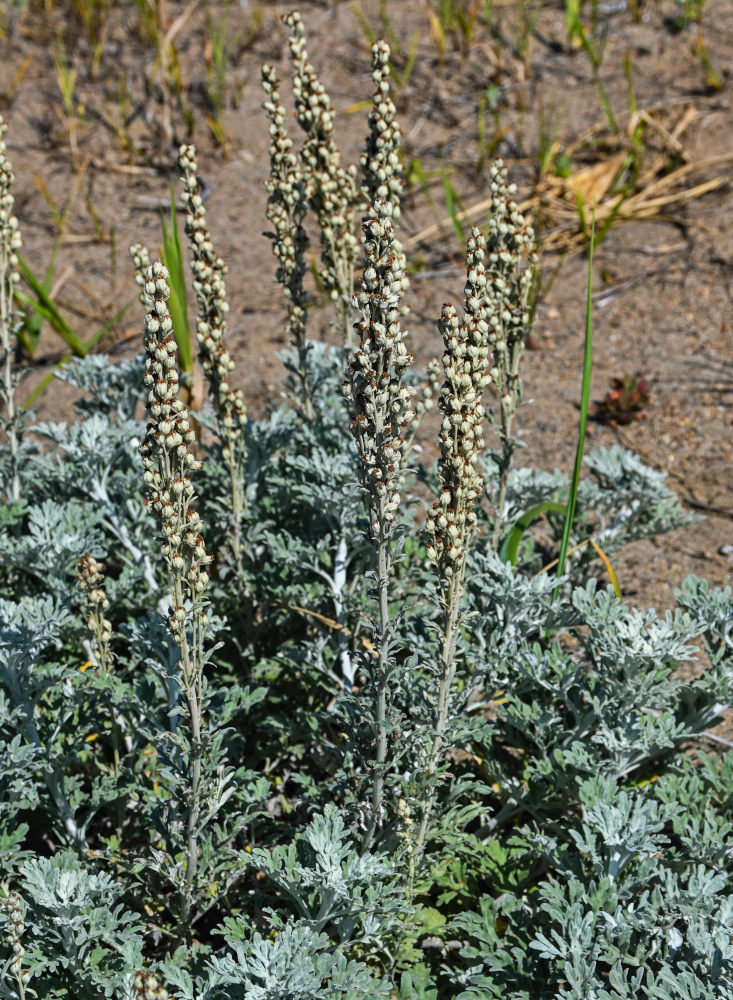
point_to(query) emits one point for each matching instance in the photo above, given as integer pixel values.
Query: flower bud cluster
(12, 421)
(15, 928)
(452, 519)
(381, 406)
(90, 576)
(10, 241)
(511, 266)
(380, 160)
(427, 393)
(332, 190)
(168, 459)
(210, 291)
(141, 262)
(287, 204)
(147, 987)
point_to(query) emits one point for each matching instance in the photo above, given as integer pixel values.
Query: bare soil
(662, 275)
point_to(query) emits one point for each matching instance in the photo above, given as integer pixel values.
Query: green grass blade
(410, 61)
(92, 342)
(45, 307)
(452, 203)
(364, 25)
(572, 19)
(88, 346)
(172, 254)
(583, 423)
(45, 382)
(510, 546)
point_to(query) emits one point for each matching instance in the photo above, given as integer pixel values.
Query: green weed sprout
(583, 418)
(38, 303)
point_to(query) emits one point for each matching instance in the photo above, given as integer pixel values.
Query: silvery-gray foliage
(331, 885)
(298, 964)
(111, 388)
(79, 934)
(559, 828)
(628, 499)
(619, 502)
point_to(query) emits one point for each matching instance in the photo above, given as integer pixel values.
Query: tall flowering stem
(90, 577)
(511, 270)
(332, 190)
(380, 160)
(452, 520)
(287, 204)
(140, 257)
(208, 271)
(9, 277)
(147, 987)
(15, 911)
(381, 410)
(168, 462)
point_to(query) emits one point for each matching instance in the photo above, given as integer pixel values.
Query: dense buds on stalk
(90, 576)
(212, 307)
(452, 519)
(511, 264)
(331, 189)
(431, 388)
(287, 204)
(147, 987)
(380, 404)
(381, 157)
(14, 932)
(10, 243)
(141, 262)
(167, 457)
(466, 363)
(210, 291)
(380, 160)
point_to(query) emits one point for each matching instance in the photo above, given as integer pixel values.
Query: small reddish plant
(625, 402)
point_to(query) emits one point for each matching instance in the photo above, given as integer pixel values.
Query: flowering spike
(10, 243)
(380, 160)
(211, 297)
(511, 267)
(168, 459)
(287, 203)
(466, 364)
(90, 576)
(331, 188)
(380, 404)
